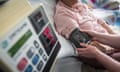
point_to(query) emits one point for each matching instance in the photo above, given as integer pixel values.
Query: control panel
(31, 46)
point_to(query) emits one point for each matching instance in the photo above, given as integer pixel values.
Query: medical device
(77, 37)
(31, 45)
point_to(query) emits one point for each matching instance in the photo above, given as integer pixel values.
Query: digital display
(15, 48)
(37, 21)
(38, 17)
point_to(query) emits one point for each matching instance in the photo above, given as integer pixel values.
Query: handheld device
(77, 37)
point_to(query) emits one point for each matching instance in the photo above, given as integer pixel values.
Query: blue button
(5, 44)
(35, 59)
(29, 68)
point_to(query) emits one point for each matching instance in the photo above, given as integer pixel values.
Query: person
(72, 14)
(90, 51)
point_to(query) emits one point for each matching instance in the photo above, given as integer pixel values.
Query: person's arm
(108, 39)
(105, 25)
(92, 52)
(109, 63)
(65, 23)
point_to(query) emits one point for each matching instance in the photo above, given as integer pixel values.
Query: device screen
(16, 47)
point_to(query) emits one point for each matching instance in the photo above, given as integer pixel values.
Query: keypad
(48, 41)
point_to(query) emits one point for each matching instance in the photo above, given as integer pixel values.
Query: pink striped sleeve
(65, 24)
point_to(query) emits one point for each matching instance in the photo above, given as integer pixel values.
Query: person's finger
(82, 30)
(82, 55)
(84, 45)
(81, 52)
(80, 49)
(94, 38)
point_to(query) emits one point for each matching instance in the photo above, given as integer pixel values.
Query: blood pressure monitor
(30, 46)
(77, 37)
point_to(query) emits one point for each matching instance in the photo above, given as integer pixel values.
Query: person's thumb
(87, 31)
(82, 30)
(83, 44)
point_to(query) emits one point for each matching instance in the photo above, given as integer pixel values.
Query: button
(53, 42)
(35, 59)
(40, 65)
(44, 57)
(36, 44)
(34, 71)
(50, 36)
(29, 68)
(22, 64)
(30, 52)
(47, 40)
(46, 31)
(40, 51)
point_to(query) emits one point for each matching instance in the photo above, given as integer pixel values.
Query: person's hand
(88, 51)
(93, 34)
(96, 36)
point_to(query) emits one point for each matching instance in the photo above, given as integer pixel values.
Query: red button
(53, 42)
(22, 64)
(50, 36)
(47, 30)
